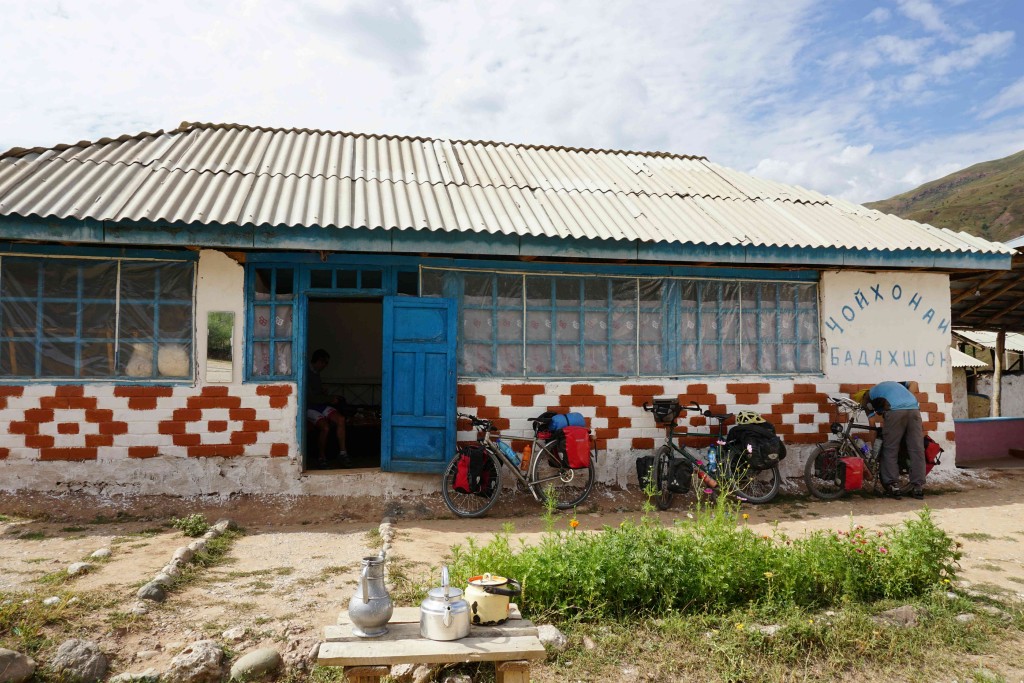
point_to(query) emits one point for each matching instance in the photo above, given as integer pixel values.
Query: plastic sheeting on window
(591, 326)
(66, 318)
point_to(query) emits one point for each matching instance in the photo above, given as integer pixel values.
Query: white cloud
(879, 15)
(773, 87)
(926, 14)
(1009, 98)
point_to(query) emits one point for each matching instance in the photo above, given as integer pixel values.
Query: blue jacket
(897, 395)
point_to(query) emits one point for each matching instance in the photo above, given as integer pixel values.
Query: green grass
(712, 564)
(32, 536)
(978, 536)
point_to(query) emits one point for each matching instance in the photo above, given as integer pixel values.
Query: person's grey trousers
(903, 425)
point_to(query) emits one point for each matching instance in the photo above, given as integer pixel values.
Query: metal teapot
(371, 606)
(488, 597)
(444, 614)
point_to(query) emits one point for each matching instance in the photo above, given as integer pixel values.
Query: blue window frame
(272, 311)
(516, 324)
(65, 317)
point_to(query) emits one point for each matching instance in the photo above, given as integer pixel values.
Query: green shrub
(192, 525)
(712, 563)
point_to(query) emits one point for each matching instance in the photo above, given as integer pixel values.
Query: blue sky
(856, 99)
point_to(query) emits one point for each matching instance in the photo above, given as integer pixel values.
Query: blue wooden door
(418, 412)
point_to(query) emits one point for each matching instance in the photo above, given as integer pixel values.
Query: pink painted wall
(988, 437)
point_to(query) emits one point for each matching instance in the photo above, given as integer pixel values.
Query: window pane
(138, 281)
(282, 321)
(60, 319)
(261, 359)
(19, 277)
(174, 360)
(261, 322)
(285, 283)
(57, 359)
(98, 320)
(408, 282)
(97, 360)
(18, 359)
(283, 358)
(60, 279)
(137, 321)
(346, 279)
(99, 280)
(175, 321)
(371, 279)
(321, 279)
(261, 282)
(18, 318)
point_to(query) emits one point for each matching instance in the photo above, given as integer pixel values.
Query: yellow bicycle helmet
(859, 396)
(748, 417)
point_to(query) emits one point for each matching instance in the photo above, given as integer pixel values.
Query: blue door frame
(418, 386)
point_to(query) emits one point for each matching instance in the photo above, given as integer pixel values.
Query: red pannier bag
(851, 473)
(932, 453)
(462, 474)
(577, 447)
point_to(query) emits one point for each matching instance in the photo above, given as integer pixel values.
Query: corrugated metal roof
(232, 174)
(1014, 341)
(959, 359)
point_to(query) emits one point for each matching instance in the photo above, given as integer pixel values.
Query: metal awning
(989, 300)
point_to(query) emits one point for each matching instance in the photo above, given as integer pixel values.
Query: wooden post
(515, 671)
(996, 408)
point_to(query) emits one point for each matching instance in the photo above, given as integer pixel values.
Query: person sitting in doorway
(902, 415)
(322, 410)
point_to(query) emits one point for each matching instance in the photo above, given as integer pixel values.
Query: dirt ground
(294, 569)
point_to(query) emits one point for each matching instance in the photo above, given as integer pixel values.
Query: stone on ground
(80, 660)
(76, 568)
(101, 554)
(256, 664)
(200, 662)
(15, 667)
(551, 637)
(152, 591)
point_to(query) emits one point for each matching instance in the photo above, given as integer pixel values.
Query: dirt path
(294, 570)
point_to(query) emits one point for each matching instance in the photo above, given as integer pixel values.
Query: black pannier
(763, 446)
(680, 474)
(644, 464)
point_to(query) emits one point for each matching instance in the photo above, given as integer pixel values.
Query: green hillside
(986, 199)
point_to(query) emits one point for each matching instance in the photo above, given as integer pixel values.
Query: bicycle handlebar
(477, 422)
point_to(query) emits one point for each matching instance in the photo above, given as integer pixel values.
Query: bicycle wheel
(466, 504)
(662, 477)
(550, 475)
(821, 472)
(748, 484)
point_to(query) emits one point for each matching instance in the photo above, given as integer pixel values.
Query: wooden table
(510, 646)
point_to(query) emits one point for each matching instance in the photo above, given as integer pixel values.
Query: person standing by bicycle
(902, 414)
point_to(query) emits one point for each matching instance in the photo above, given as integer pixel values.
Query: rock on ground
(76, 568)
(256, 664)
(80, 660)
(200, 662)
(147, 676)
(15, 667)
(905, 616)
(152, 591)
(552, 637)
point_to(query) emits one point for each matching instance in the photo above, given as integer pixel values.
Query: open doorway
(350, 331)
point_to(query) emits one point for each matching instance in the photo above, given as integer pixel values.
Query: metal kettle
(371, 607)
(444, 614)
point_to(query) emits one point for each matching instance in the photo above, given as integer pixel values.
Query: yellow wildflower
(574, 523)
(739, 627)
(746, 516)
(769, 575)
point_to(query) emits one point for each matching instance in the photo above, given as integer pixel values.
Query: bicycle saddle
(721, 417)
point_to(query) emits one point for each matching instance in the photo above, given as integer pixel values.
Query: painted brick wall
(111, 422)
(798, 408)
